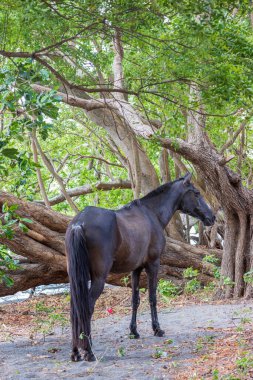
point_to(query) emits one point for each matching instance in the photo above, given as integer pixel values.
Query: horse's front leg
(152, 272)
(135, 302)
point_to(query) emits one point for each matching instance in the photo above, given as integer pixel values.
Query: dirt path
(118, 356)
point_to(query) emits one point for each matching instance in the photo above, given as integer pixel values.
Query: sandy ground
(189, 330)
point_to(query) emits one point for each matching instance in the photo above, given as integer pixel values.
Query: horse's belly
(123, 267)
(127, 259)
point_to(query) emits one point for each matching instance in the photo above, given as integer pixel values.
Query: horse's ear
(187, 179)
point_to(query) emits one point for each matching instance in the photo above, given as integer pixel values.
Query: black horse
(99, 241)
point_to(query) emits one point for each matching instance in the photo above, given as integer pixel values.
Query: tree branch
(86, 104)
(136, 168)
(27, 246)
(179, 146)
(38, 172)
(87, 189)
(31, 275)
(56, 176)
(236, 134)
(98, 158)
(117, 64)
(49, 218)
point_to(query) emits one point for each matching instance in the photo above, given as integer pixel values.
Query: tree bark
(32, 275)
(249, 258)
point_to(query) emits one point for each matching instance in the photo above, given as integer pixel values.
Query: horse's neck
(164, 205)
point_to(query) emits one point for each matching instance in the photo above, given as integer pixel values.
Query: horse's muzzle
(210, 221)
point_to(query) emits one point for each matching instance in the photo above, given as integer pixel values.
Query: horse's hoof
(76, 357)
(89, 357)
(159, 332)
(134, 335)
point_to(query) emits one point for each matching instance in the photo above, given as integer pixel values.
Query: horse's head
(192, 203)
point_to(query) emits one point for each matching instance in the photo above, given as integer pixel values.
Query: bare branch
(63, 162)
(13, 54)
(31, 275)
(179, 163)
(236, 134)
(117, 63)
(38, 172)
(25, 245)
(98, 158)
(164, 166)
(224, 160)
(87, 189)
(136, 168)
(56, 176)
(87, 104)
(178, 146)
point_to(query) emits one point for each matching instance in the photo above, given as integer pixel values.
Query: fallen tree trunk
(32, 275)
(177, 257)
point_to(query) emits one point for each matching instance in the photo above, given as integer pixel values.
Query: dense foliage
(167, 45)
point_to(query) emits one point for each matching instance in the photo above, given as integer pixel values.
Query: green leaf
(7, 280)
(10, 152)
(26, 220)
(23, 227)
(11, 222)
(5, 207)
(13, 207)
(3, 143)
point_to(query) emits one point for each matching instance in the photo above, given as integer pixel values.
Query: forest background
(103, 101)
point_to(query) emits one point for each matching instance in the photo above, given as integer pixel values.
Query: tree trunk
(236, 257)
(31, 275)
(249, 257)
(236, 202)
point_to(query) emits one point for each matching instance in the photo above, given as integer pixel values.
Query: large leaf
(10, 152)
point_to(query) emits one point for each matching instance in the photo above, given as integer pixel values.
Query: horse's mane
(160, 189)
(135, 202)
(153, 193)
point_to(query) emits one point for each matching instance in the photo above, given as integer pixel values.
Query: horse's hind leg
(97, 286)
(135, 302)
(75, 355)
(152, 272)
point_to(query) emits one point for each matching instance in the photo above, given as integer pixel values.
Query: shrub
(167, 289)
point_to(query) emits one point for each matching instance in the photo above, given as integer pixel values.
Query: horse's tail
(79, 277)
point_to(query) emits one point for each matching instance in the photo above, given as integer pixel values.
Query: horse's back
(92, 214)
